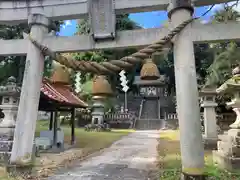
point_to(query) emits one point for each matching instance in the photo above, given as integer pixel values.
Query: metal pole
(125, 101)
(73, 126)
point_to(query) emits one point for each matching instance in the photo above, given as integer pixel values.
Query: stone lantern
(228, 153)
(101, 90)
(208, 95)
(10, 99)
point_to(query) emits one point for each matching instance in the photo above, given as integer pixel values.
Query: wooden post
(51, 121)
(73, 126)
(30, 94)
(55, 124)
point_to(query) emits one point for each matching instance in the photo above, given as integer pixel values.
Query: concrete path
(127, 159)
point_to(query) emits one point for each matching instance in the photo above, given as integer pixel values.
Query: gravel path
(127, 159)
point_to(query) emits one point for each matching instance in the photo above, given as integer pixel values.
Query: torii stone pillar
(30, 94)
(192, 150)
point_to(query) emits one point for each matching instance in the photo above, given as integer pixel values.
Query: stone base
(7, 131)
(6, 142)
(210, 143)
(24, 170)
(20, 171)
(4, 158)
(192, 177)
(3, 170)
(225, 162)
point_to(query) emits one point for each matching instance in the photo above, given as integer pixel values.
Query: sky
(146, 19)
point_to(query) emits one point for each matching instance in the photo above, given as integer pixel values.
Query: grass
(169, 160)
(91, 140)
(6, 178)
(88, 142)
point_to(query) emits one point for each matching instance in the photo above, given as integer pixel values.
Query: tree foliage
(214, 61)
(9, 65)
(203, 59)
(221, 68)
(224, 14)
(122, 23)
(226, 54)
(14, 65)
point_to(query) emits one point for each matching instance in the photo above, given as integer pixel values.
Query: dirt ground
(128, 158)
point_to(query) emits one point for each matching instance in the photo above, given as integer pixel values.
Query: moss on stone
(26, 160)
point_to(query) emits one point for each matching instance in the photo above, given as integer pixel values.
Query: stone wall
(223, 121)
(121, 120)
(149, 124)
(172, 124)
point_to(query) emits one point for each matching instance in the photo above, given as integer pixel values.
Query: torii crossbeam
(135, 38)
(17, 12)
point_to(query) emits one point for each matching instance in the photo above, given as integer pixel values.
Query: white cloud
(237, 8)
(217, 6)
(66, 24)
(63, 26)
(204, 21)
(220, 6)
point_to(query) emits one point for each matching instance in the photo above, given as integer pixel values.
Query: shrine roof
(61, 93)
(160, 81)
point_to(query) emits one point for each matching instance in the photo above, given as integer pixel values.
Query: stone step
(10, 141)
(4, 137)
(221, 152)
(224, 137)
(4, 157)
(226, 162)
(236, 151)
(228, 150)
(6, 146)
(224, 147)
(227, 138)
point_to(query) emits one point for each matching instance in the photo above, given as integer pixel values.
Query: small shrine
(9, 105)
(228, 154)
(152, 90)
(57, 96)
(208, 103)
(101, 90)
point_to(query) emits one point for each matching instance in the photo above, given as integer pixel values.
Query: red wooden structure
(57, 96)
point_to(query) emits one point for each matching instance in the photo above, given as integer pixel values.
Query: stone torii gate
(180, 13)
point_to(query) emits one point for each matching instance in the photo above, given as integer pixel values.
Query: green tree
(9, 65)
(203, 59)
(226, 54)
(226, 13)
(122, 23)
(14, 65)
(221, 68)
